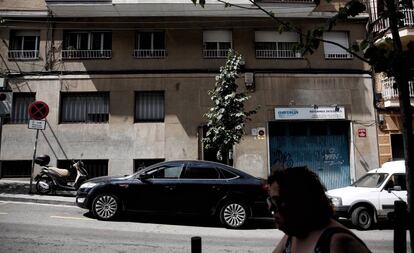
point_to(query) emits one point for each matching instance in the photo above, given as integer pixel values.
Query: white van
(371, 197)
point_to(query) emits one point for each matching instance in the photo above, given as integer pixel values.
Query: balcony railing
(408, 21)
(86, 54)
(274, 54)
(23, 54)
(150, 54)
(215, 53)
(390, 94)
(338, 56)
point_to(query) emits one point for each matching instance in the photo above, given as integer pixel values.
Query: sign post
(38, 110)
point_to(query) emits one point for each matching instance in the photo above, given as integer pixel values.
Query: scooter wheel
(44, 185)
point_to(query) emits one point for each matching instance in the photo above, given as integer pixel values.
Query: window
(196, 171)
(95, 168)
(149, 106)
(20, 168)
(24, 45)
(87, 45)
(216, 44)
(271, 45)
(167, 171)
(89, 107)
(150, 45)
(21, 102)
(333, 51)
(140, 164)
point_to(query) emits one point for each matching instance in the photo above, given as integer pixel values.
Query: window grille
(150, 45)
(20, 168)
(87, 45)
(333, 51)
(24, 45)
(149, 106)
(90, 107)
(21, 102)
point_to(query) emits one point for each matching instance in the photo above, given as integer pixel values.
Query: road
(30, 227)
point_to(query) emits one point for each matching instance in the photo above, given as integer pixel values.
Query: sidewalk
(18, 190)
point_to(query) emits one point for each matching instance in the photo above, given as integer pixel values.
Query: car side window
(167, 171)
(196, 171)
(400, 180)
(227, 174)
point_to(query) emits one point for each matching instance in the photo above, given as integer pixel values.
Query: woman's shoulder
(338, 239)
(280, 247)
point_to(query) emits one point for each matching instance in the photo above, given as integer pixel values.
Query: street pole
(402, 75)
(33, 161)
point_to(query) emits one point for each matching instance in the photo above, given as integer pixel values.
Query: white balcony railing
(86, 54)
(408, 21)
(23, 54)
(215, 53)
(390, 94)
(274, 54)
(338, 56)
(148, 53)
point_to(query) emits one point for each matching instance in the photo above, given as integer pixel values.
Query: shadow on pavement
(186, 220)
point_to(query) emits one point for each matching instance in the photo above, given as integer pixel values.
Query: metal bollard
(400, 227)
(196, 244)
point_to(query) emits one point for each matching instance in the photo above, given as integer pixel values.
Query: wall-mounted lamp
(249, 81)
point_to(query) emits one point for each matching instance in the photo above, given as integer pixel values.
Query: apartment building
(127, 85)
(390, 139)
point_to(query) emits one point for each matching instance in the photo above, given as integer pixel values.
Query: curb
(38, 199)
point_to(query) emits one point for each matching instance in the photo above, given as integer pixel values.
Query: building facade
(390, 138)
(127, 85)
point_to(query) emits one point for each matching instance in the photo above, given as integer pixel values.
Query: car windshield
(371, 180)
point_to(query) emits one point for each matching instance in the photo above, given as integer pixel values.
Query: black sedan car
(178, 187)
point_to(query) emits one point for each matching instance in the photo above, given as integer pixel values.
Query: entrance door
(321, 146)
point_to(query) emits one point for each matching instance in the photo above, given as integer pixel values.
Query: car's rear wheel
(362, 218)
(233, 214)
(106, 206)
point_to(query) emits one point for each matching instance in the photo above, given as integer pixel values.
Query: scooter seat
(60, 172)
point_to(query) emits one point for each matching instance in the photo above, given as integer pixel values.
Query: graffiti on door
(281, 160)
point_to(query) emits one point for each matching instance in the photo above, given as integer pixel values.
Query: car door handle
(216, 188)
(170, 188)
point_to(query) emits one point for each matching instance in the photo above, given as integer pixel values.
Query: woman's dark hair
(305, 198)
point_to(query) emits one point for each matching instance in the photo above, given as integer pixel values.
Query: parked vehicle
(51, 179)
(178, 187)
(372, 197)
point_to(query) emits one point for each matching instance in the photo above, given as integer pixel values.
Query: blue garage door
(322, 146)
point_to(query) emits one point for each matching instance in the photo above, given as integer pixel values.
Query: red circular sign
(38, 110)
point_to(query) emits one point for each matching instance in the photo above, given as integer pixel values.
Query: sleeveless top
(324, 241)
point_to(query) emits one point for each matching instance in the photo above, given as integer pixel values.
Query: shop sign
(306, 113)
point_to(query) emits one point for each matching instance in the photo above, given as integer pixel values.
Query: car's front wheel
(105, 206)
(233, 214)
(362, 218)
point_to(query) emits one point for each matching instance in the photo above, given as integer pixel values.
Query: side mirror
(144, 176)
(395, 188)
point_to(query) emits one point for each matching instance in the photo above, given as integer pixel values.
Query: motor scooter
(51, 178)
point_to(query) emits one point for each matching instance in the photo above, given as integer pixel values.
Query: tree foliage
(227, 117)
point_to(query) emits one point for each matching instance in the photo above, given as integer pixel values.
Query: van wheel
(362, 218)
(106, 206)
(233, 215)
